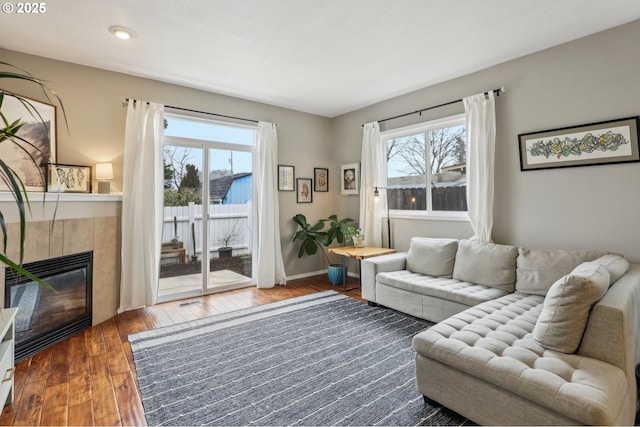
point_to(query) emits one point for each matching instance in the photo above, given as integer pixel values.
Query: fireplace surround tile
(69, 236)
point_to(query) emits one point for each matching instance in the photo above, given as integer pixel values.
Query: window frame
(424, 127)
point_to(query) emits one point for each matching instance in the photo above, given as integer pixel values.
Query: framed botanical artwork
(286, 176)
(320, 179)
(39, 134)
(349, 178)
(305, 193)
(68, 178)
(612, 141)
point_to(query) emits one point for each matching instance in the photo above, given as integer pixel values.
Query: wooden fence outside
(442, 198)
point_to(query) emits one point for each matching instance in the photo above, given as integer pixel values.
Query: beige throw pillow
(567, 305)
(615, 264)
(433, 257)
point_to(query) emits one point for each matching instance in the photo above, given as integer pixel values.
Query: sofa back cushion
(433, 257)
(566, 307)
(486, 264)
(538, 269)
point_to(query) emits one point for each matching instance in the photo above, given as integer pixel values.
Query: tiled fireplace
(99, 235)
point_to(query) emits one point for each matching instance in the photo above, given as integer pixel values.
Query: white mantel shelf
(6, 196)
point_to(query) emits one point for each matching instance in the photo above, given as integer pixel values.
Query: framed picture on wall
(286, 176)
(320, 179)
(612, 141)
(305, 192)
(68, 178)
(349, 179)
(39, 130)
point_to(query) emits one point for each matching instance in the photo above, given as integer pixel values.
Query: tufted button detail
(494, 341)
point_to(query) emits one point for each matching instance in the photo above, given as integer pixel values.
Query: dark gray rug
(321, 359)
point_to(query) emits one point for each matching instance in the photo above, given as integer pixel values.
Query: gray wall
(93, 101)
(592, 79)
(588, 80)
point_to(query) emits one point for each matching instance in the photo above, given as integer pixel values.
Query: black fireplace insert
(46, 317)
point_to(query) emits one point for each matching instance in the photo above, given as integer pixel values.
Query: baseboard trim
(316, 273)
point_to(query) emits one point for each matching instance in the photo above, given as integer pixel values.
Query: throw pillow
(615, 264)
(566, 307)
(486, 264)
(538, 269)
(433, 257)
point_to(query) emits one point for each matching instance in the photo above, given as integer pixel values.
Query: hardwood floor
(90, 379)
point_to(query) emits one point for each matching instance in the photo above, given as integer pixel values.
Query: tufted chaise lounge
(498, 361)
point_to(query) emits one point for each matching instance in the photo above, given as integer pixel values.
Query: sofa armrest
(612, 333)
(370, 267)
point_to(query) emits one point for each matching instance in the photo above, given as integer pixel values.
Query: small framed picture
(320, 179)
(305, 193)
(349, 179)
(68, 178)
(286, 176)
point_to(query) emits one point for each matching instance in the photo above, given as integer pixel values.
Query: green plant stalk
(193, 237)
(9, 132)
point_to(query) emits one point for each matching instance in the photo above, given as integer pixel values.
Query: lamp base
(104, 187)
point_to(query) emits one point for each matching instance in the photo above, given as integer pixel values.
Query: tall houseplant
(317, 236)
(10, 134)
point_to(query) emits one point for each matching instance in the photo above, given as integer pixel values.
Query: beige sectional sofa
(524, 336)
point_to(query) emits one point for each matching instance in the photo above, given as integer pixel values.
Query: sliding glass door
(208, 208)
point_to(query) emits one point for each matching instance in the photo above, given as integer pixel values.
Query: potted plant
(228, 234)
(315, 236)
(10, 133)
(355, 234)
(194, 256)
(175, 242)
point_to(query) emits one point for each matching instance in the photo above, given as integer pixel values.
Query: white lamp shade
(104, 171)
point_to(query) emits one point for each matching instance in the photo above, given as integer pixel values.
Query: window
(426, 169)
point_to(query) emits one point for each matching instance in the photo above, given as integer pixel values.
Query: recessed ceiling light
(121, 32)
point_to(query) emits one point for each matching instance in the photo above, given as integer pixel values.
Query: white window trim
(428, 214)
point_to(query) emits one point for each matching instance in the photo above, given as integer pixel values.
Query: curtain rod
(496, 91)
(201, 112)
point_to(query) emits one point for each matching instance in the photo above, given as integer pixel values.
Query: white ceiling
(325, 57)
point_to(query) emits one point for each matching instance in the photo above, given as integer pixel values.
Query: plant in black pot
(316, 236)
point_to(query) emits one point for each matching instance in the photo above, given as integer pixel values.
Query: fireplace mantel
(6, 196)
(47, 206)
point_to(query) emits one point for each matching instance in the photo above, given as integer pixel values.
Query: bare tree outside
(447, 149)
(176, 160)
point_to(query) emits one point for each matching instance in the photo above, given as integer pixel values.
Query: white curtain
(141, 205)
(270, 265)
(373, 173)
(481, 140)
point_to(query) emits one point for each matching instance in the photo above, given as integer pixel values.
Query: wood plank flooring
(90, 379)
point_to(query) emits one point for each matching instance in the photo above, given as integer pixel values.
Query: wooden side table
(359, 254)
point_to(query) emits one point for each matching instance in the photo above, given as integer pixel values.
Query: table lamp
(104, 173)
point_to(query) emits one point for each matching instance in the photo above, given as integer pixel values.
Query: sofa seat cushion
(465, 293)
(494, 342)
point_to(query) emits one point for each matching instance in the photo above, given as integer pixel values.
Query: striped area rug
(320, 359)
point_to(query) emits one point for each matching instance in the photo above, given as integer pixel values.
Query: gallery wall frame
(286, 178)
(349, 179)
(68, 178)
(304, 192)
(606, 142)
(321, 180)
(40, 132)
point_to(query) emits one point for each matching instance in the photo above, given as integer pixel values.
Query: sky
(209, 131)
